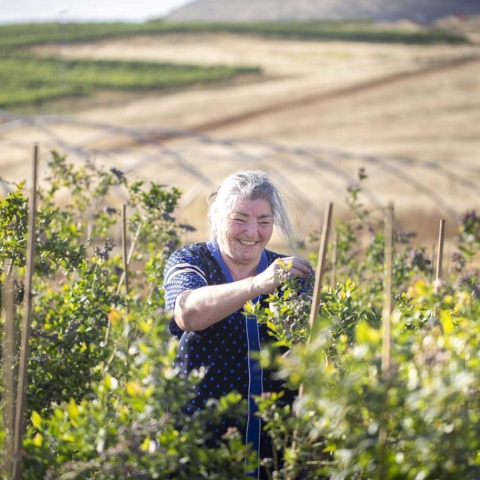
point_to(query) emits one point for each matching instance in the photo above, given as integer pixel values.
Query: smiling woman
(207, 285)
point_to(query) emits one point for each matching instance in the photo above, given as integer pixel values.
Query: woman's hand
(198, 309)
(270, 279)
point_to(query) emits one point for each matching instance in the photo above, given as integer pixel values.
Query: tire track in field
(308, 100)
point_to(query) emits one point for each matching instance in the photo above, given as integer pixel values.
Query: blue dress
(223, 349)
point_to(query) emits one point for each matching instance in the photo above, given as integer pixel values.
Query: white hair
(250, 185)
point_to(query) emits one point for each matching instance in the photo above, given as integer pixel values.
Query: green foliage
(29, 80)
(358, 419)
(26, 79)
(287, 315)
(419, 420)
(132, 426)
(99, 366)
(41, 33)
(104, 401)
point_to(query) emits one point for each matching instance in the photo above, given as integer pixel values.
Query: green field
(28, 80)
(13, 36)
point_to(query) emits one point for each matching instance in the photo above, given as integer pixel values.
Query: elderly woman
(207, 285)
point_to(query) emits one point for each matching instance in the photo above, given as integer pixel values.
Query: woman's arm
(198, 309)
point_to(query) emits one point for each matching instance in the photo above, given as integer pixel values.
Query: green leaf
(36, 420)
(366, 334)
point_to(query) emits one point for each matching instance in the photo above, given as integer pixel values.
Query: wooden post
(125, 269)
(387, 304)
(124, 245)
(441, 240)
(126, 262)
(387, 290)
(22, 370)
(8, 355)
(322, 255)
(130, 255)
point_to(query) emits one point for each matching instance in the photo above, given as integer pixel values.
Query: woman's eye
(239, 220)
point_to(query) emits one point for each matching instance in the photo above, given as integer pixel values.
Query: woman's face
(247, 231)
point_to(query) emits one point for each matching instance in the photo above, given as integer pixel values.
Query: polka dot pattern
(221, 349)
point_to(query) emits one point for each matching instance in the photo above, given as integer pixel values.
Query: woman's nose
(251, 229)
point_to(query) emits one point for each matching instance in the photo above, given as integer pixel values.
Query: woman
(207, 285)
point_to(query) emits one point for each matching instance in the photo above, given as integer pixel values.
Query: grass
(27, 80)
(23, 35)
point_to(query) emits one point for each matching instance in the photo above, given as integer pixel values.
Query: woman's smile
(246, 243)
(248, 230)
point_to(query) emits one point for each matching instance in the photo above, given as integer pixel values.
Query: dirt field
(409, 114)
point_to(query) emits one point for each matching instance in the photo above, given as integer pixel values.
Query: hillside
(422, 11)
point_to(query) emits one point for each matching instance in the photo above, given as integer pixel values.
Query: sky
(14, 11)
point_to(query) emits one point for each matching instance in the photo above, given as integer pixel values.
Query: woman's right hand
(270, 278)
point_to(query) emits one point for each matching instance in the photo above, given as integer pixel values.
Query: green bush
(104, 401)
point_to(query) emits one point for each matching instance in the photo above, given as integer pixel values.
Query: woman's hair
(250, 185)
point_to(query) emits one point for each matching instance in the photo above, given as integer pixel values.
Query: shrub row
(103, 399)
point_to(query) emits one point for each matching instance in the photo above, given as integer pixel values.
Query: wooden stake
(387, 305)
(387, 290)
(130, 255)
(8, 355)
(126, 263)
(22, 370)
(441, 240)
(125, 268)
(322, 255)
(124, 244)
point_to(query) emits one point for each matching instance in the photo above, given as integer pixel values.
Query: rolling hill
(422, 11)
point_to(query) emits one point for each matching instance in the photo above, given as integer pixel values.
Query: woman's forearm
(199, 309)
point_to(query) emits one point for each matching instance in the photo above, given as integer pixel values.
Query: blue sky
(83, 10)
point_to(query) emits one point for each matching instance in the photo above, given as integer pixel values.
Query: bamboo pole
(22, 371)
(441, 241)
(322, 255)
(387, 290)
(387, 305)
(125, 269)
(126, 262)
(8, 355)
(124, 245)
(130, 255)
